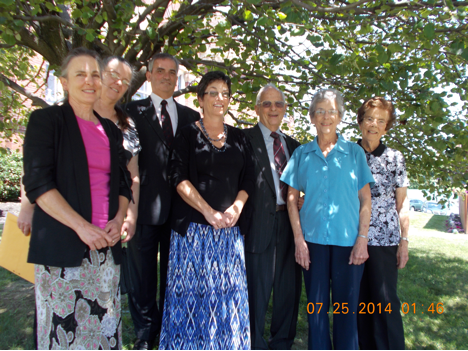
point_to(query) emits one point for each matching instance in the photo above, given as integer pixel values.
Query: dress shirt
(171, 109)
(330, 214)
(269, 140)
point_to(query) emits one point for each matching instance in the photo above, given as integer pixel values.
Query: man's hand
(300, 202)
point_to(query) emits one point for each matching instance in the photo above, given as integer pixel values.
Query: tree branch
(189, 89)
(239, 121)
(45, 19)
(330, 9)
(36, 101)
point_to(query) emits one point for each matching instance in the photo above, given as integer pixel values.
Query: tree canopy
(413, 52)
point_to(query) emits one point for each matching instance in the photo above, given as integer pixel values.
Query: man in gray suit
(269, 247)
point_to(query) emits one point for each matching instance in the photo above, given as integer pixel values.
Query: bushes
(11, 165)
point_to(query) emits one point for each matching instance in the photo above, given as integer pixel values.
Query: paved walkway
(12, 207)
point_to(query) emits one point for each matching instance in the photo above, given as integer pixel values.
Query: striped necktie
(280, 162)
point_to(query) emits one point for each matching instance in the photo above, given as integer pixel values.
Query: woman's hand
(234, 212)
(402, 254)
(217, 219)
(114, 228)
(93, 236)
(359, 254)
(302, 253)
(128, 227)
(25, 216)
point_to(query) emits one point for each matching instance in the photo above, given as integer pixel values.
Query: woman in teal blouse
(330, 232)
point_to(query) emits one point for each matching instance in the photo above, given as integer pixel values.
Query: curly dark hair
(211, 77)
(377, 102)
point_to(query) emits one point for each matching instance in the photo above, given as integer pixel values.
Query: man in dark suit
(157, 119)
(269, 247)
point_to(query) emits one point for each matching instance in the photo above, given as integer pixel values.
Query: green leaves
(429, 31)
(406, 53)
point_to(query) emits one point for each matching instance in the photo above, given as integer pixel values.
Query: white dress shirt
(269, 140)
(171, 109)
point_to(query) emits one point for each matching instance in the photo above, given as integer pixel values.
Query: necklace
(223, 136)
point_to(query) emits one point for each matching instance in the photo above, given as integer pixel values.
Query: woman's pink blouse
(97, 148)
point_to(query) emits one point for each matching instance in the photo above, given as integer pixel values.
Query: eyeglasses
(267, 104)
(116, 77)
(321, 112)
(214, 93)
(380, 122)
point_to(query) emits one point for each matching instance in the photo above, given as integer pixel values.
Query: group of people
(222, 207)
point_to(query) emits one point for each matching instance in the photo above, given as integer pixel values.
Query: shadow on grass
(428, 278)
(436, 222)
(435, 279)
(16, 312)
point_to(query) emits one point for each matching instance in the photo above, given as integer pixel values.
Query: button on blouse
(330, 214)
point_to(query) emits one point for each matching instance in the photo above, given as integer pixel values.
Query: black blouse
(217, 176)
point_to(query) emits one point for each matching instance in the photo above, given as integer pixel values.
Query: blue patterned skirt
(206, 305)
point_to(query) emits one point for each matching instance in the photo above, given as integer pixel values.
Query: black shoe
(142, 345)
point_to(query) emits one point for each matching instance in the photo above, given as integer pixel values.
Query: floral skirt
(79, 307)
(206, 305)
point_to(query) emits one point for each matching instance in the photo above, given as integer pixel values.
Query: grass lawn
(437, 272)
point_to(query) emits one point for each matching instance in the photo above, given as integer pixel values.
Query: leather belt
(280, 208)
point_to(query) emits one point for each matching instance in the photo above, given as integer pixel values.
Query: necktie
(166, 124)
(280, 162)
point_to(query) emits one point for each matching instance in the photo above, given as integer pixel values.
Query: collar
(267, 132)
(340, 146)
(377, 152)
(157, 100)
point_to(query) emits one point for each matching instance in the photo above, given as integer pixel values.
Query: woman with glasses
(330, 232)
(206, 304)
(74, 169)
(388, 250)
(116, 80)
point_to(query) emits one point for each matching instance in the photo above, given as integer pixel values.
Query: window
(54, 91)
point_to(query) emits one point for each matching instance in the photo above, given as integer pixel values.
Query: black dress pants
(381, 331)
(274, 269)
(142, 258)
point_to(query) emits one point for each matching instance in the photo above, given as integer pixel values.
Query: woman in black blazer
(75, 170)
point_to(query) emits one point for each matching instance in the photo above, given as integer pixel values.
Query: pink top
(97, 148)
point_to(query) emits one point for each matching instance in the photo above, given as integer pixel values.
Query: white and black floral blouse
(131, 140)
(389, 171)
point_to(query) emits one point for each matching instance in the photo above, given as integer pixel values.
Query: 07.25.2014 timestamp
(371, 308)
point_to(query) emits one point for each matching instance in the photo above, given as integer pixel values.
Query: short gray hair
(327, 94)
(162, 56)
(266, 87)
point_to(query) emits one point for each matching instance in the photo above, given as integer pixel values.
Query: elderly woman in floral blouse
(387, 248)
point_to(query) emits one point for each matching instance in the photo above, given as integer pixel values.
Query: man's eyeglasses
(267, 104)
(321, 112)
(116, 77)
(214, 93)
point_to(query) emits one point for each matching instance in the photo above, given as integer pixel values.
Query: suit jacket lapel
(150, 116)
(80, 163)
(261, 153)
(181, 116)
(290, 145)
